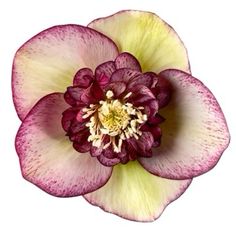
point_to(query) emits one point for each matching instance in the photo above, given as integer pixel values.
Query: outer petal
(48, 62)
(152, 41)
(194, 134)
(135, 194)
(47, 157)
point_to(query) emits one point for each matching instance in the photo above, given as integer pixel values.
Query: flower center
(113, 116)
(112, 121)
(113, 111)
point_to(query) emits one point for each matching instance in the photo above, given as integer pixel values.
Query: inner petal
(113, 111)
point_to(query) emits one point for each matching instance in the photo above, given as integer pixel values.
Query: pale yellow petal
(145, 35)
(135, 194)
(48, 62)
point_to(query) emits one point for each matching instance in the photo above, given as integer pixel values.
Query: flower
(111, 112)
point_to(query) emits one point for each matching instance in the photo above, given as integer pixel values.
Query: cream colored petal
(135, 194)
(145, 35)
(47, 62)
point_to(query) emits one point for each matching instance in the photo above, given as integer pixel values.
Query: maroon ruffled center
(129, 85)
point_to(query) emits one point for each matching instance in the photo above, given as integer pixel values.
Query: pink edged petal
(135, 194)
(48, 62)
(83, 78)
(47, 157)
(194, 134)
(126, 60)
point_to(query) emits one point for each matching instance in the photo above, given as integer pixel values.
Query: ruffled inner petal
(126, 60)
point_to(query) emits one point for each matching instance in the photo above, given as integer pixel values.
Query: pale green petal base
(145, 35)
(135, 194)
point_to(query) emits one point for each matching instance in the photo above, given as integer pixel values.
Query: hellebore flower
(111, 112)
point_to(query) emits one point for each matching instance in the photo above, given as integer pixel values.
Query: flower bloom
(111, 112)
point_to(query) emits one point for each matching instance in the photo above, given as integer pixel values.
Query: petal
(117, 88)
(135, 194)
(48, 62)
(194, 134)
(143, 79)
(140, 95)
(142, 145)
(162, 91)
(146, 36)
(107, 161)
(47, 157)
(104, 71)
(83, 78)
(124, 75)
(68, 117)
(92, 94)
(126, 60)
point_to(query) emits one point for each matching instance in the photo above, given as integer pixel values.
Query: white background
(207, 208)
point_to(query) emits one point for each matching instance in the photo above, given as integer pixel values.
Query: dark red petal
(77, 127)
(117, 88)
(150, 108)
(83, 78)
(94, 151)
(143, 79)
(124, 75)
(143, 145)
(156, 132)
(103, 72)
(107, 161)
(126, 60)
(93, 94)
(140, 95)
(82, 147)
(162, 91)
(157, 119)
(123, 155)
(67, 117)
(109, 152)
(73, 93)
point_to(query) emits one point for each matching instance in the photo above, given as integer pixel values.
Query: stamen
(119, 121)
(109, 94)
(127, 95)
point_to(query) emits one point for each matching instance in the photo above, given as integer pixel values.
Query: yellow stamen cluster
(118, 119)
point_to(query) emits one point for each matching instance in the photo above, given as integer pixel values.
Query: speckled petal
(194, 134)
(135, 194)
(47, 157)
(48, 62)
(146, 36)
(104, 71)
(126, 60)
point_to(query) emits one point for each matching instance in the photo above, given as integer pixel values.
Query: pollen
(118, 120)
